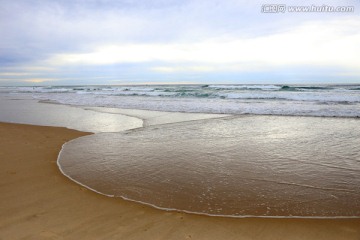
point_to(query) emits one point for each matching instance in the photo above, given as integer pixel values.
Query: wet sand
(38, 202)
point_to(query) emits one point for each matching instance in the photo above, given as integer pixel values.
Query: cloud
(38, 80)
(319, 43)
(33, 30)
(126, 39)
(13, 74)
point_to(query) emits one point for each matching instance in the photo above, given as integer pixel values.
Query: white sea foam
(205, 105)
(322, 100)
(262, 87)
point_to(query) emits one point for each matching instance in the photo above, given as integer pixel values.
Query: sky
(78, 42)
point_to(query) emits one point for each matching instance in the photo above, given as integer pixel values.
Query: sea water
(286, 150)
(299, 100)
(265, 166)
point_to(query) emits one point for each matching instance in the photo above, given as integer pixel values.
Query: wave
(302, 88)
(304, 100)
(246, 87)
(210, 105)
(299, 96)
(185, 88)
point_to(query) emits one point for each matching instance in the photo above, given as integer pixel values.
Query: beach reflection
(32, 112)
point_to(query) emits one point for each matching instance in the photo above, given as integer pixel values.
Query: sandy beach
(166, 120)
(38, 202)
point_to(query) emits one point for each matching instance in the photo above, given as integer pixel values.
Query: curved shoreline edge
(179, 210)
(38, 202)
(69, 127)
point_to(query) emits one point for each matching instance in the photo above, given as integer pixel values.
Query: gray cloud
(34, 30)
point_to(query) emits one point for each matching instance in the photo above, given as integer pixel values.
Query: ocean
(217, 150)
(291, 100)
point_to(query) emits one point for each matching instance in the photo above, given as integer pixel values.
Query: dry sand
(38, 202)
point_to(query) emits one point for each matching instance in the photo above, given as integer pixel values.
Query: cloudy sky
(176, 41)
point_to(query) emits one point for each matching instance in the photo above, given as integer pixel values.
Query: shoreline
(38, 202)
(189, 212)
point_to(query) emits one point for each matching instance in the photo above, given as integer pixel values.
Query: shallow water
(23, 109)
(238, 166)
(27, 111)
